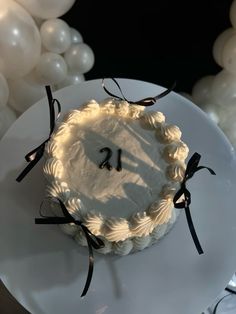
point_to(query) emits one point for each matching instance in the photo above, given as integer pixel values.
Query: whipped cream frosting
(125, 208)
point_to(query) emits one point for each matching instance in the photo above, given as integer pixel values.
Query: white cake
(128, 208)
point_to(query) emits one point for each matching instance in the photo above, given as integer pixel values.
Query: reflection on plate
(45, 270)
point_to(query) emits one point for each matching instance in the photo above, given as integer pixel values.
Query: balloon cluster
(216, 94)
(37, 48)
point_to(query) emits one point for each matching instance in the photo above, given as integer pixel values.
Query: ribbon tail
(35, 155)
(30, 166)
(52, 220)
(26, 171)
(91, 264)
(90, 243)
(192, 231)
(166, 92)
(109, 93)
(209, 169)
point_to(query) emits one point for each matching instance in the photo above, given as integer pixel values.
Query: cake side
(125, 208)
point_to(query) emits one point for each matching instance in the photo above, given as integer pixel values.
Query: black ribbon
(149, 101)
(36, 154)
(92, 240)
(191, 168)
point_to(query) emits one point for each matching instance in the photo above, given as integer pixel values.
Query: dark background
(155, 41)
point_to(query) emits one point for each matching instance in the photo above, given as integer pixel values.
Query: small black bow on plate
(149, 101)
(191, 169)
(92, 240)
(36, 154)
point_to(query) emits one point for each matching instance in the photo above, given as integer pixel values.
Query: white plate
(46, 271)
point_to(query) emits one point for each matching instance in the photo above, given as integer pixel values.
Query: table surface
(45, 270)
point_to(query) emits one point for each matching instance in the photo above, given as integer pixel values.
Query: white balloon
(76, 36)
(47, 9)
(212, 111)
(79, 58)
(38, 21)
(55, 35)
(224, 88)
(229, 55)
(51, 69)
(20, 42)
(71, 79)
(228, 122)
(232, 13)
(4, 91)
(7, 117)
(219, 44)
(24, 93)
(201, 91)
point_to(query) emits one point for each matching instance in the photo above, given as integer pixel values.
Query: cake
(116, 167)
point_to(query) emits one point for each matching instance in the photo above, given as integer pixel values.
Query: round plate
(45, 270)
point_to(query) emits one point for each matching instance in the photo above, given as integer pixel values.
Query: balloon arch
(216, 94)
(37, 48)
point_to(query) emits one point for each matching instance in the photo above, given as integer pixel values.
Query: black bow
(92, 240)
(149, 101)
(191, 168)
(36, 154)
